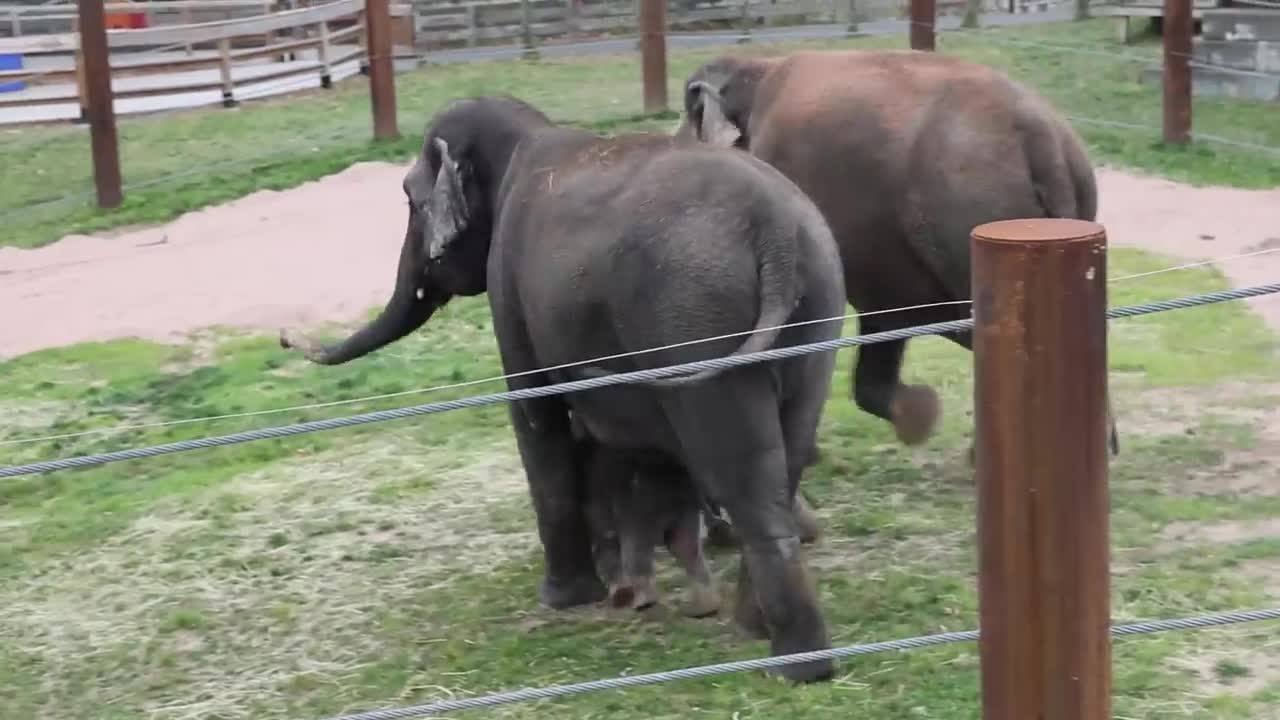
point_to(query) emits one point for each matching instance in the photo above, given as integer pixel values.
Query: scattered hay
(209, 603)
(1225, 532)
(1234, 669)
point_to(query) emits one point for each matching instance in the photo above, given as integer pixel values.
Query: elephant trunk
(412, 303)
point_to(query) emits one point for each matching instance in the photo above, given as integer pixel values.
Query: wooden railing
(19, 20)
(440, 24)
(310, 28)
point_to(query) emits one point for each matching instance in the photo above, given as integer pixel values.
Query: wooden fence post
(224, 73)
(1177, 31)
(473, 26)
(382, 82)
(1040, 407)
(530, 51)
(653, 54)
(855, 17)
(922, 15)
(972, 11)
(746, 22)
(186, 20)
(572, 18)
(326, 77)
(96, 63)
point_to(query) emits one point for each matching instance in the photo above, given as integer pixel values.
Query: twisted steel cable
(556, 691)
(589, 384)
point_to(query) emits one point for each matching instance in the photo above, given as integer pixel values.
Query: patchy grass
(181, 161)
(395, 564)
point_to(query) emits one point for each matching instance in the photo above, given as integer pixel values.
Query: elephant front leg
(639, 574)
(685, 545)
(555, 484)
(912, 409)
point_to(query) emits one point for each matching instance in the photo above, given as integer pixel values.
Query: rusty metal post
(653, 54)
(96, 61)
(1040, 407)
(923, 13)
(382, 82)
(1177, 31)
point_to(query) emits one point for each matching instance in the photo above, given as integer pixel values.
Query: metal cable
(1241, 144)
(588, 384)
(555, 691)
(591, 361)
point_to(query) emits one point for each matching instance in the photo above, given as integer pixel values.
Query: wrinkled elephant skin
(590, 246)
(905, 153)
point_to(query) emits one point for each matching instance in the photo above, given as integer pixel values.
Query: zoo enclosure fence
(1023, 335)
(327, 41)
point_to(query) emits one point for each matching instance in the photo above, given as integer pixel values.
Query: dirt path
(326, 252)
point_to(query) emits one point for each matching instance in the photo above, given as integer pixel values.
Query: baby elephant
(634, 501)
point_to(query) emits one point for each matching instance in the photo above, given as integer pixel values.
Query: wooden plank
(343, 34)
(194, 33)
(206, 32)
(195, 86)
(275, 49)
(17, 102)
(61, 11)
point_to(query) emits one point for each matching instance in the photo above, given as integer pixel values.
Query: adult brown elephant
(904, 153)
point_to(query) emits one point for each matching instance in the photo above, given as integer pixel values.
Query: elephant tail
(776, 246)
(1060, 170)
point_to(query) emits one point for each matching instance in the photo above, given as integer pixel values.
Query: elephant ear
(715, 128)
(447, 206)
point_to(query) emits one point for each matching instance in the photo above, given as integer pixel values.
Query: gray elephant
(905, 153)
(634, 502)
(590, 247)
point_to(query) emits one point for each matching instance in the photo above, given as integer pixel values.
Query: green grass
(395, 564)
(182, 161)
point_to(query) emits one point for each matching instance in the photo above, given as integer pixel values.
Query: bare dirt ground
(326, 252)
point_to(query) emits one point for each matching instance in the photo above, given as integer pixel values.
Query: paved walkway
(609, 46)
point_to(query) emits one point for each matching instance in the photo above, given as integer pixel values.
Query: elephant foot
(914, 412)
(704, 601)
(636, 596)
(621, 596)
(806, 520)
(720, 533)
(646, 595)
(564, 594)
(802, 673)
(746, 609)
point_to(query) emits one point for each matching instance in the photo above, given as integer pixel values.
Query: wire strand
(756, 664)
(499, 378)
(591, 383)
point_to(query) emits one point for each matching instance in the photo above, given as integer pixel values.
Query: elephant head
(452, 191)
(718, 100)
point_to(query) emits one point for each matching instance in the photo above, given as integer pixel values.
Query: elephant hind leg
(912, 409)
(734, 446)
